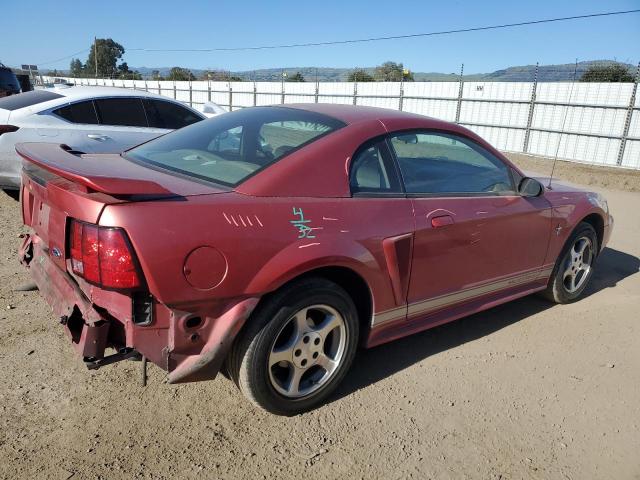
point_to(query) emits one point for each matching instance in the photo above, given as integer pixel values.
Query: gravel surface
(525, 390)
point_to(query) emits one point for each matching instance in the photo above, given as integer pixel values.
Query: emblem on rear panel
(56, 253)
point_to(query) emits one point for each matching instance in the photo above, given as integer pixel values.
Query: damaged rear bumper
(188, 354)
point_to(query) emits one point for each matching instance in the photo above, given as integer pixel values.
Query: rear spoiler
(118, 176)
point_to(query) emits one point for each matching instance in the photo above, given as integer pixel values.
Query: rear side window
(124, 111)
(371, 171)
(168, 115)
(27, 99)
(81, 112)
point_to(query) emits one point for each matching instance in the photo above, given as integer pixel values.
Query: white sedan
(87, 119)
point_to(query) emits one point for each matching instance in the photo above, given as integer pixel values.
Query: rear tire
(297, 347)
(574, 268)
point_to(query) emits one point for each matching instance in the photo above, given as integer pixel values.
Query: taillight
(7, 129)
(103, 256)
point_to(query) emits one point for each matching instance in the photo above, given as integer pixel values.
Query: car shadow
(373, 365)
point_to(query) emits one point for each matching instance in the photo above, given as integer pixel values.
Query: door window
(441, 163)
(123, 111)
(81, 112)
(168, 115)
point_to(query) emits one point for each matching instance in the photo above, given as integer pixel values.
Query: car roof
(68, 94)
(357, 113)
(78, 92)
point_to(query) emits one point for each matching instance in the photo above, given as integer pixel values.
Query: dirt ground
(580, 173)
(525, 390)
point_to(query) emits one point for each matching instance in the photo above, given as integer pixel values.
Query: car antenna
(564, 121)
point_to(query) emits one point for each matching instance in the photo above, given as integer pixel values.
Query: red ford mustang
(272, 241)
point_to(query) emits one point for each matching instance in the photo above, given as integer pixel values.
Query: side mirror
(530, 187)
(408, 138)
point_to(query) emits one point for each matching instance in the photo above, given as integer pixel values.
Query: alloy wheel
(307, 351)
(578, 264)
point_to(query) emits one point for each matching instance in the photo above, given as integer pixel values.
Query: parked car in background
(9, 84)
(275, 240)
(86, 119)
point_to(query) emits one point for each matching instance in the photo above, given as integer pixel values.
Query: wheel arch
(347, 278)
(597, 222)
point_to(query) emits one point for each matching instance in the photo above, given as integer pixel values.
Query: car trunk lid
(60, 184)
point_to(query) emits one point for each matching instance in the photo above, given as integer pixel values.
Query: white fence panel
(580, 119)
(432, 89)
(634, 125)
(299, 92)
(499, 114)
(336, 92)
(497, 91)
(596, 150)
(506, 139)
(378, 94)
(442, 109)
(585, 93)
(631, 158)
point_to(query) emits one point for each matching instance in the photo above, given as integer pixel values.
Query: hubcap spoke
(327, 363)
(293, 387)
(302, 322)
(330, 323)
(282, 355)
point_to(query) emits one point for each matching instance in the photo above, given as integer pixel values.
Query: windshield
(229, 148)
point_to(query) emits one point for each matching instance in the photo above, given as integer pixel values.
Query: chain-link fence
(590, 122)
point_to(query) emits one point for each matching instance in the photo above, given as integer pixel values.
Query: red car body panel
(211, 253)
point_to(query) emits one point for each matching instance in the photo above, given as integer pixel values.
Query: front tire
(297, 347)
(574, 267)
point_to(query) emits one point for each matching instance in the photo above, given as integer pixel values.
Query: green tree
(76, 68)
(108, 53)
(155, 75)
(220, 76)
(359, 75)
(613, 72)
(179, 73)
(392, 72)
(296, 77)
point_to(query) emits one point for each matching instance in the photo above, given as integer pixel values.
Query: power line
(364, 40)
(391, 37)
(64, 58)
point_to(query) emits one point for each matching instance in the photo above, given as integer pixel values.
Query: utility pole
(95, 53)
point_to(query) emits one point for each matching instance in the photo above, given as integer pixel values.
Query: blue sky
(48, 30)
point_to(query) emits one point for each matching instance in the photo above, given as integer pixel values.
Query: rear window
(9, 81)
(81, 112)
(27, 99)
(168, 115)
(229, 148)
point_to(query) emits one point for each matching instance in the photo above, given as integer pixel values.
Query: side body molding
(397, 252)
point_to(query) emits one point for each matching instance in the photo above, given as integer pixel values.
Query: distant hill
(524, 73)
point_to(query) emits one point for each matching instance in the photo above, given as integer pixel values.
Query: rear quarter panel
(260, 241)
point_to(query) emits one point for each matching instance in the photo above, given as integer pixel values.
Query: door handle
(441, 221)
(98, 137)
